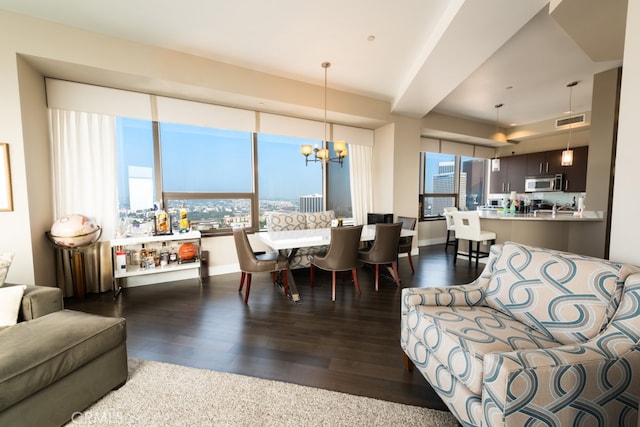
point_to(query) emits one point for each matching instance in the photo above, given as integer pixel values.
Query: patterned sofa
(540, 338)
(301, 221)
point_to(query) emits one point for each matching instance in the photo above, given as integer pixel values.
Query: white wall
(625, 232)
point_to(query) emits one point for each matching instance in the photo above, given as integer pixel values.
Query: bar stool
(450, 227)
(467, 227)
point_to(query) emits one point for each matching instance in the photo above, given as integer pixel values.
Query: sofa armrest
(594, 382)
(471, 294)
(39, 301)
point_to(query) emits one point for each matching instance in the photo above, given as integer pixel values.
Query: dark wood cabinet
(544, 163)
(514, 169)
(575, 176)
(511, 175)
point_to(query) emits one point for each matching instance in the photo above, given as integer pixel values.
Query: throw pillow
(10, 300)
(5, 262)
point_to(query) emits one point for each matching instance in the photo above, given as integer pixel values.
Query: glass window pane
(434, 206)
(472, 183)
(211, 214)
(205, 160)
(134, 151)
(339, 187)
(284, 182)
(439, 173)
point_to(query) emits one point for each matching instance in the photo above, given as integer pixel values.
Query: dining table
(290, 241)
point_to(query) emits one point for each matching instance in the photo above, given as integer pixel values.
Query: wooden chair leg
(446, 244)
(477, 253)
(333, 285)
(413, 271)
(312, 274)
(470, 246)
(377, 275)
(274, 279)
(242, 276)
(455, 252)
(394, 273)
(246, 292)
(356, 285)
(284, 274)
(408, 364)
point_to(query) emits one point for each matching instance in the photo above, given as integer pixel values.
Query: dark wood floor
(351, 345)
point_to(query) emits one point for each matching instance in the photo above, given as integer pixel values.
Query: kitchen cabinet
(575, 176)
(544, 163)
(511, 175)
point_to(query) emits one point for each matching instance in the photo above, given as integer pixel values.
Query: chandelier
(322, 154)
(567, 155)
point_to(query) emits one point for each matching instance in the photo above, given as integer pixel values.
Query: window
(224, 178)
(449, 180)
(339, 188)
(136, 170)
(284, 182)
(209, 172)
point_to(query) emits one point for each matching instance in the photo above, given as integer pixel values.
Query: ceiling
(456, 57)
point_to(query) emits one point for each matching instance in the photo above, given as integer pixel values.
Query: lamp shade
(306, 149)
(567, 158)
(339, 146)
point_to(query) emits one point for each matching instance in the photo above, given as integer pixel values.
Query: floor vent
(570, 120)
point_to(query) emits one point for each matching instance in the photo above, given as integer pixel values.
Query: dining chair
(342, 255)
(257, 262)
(406, 243)
(450, 226)
(384, 250)
(467, 225)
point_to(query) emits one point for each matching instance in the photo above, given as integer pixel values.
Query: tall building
(312, 203)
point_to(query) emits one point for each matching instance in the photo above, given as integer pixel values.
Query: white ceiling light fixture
(322, 154)
(567, 155)
(495, 162)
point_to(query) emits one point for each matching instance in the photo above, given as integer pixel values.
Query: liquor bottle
(162, 222)
(184, 220)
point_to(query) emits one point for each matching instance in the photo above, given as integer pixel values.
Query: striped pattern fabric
(542, 337)
(283, 221)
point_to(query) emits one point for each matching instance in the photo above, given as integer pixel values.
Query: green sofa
(55, 363)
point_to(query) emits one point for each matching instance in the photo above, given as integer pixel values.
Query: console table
(161, 253)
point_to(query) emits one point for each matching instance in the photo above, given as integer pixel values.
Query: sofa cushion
(10, 300)
(286, 221)
(459, 337)
(319, 219)
(5, 262)
(565, 296)
(39, 352)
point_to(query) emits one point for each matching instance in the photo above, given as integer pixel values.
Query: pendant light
(495, 162)
(322, 154)
(567, 155)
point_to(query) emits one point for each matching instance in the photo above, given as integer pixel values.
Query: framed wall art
(6, 198)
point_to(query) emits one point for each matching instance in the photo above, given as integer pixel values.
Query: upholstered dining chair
(450, 226)
(406, 243)
(467, 224)
(251, 262)
(342, 255)
(384, 250)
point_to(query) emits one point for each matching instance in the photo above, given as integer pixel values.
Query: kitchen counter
(564, 232)
(560, 216)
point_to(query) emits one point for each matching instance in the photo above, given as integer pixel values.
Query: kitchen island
(563, 231)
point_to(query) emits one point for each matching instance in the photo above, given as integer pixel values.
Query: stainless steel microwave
(543, 183)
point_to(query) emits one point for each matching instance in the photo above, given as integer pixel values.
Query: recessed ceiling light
(371, 38)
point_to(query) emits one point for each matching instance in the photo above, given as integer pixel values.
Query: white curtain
(360, 174)
(84, 181)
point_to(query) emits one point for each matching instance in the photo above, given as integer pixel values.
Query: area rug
(162, 394)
